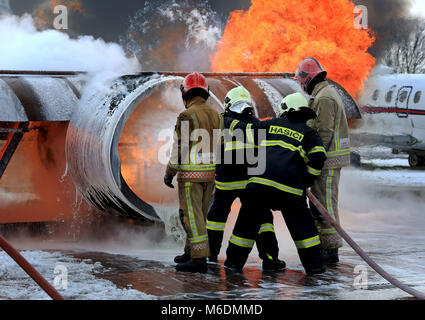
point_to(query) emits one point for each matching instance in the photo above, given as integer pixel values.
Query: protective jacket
(231, 172)
(192, 155)
(331, 124)
(295, 153)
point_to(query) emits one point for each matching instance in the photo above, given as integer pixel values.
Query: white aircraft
(393, 107)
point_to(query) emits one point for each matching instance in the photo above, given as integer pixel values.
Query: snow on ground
(386, 169)
(391, 177)
(386, 162)
(378, 153)
(15, 284)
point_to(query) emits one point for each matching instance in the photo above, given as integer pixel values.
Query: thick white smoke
(23, 47)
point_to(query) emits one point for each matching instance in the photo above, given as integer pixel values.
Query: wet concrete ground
(398, 248)
(339, 282)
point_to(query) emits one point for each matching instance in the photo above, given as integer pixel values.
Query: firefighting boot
(312, 260)
(193, 265)
(236, 257)
(233, 266)
(315, 271)
(185, 257)
(330, 256)
(273, 265)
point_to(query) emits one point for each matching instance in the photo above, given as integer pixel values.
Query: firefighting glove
(168, 180)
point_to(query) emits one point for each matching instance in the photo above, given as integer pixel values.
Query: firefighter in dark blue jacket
(294, 158)
(231, 180)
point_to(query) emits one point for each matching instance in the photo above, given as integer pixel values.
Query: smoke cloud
(23, 47)
(176, 35)
(4, 6)
(164, 35)
(385, 18)
(159, 32)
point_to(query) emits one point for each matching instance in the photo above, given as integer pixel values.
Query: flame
(40, 17)
(275, 35)
(50, 199)
(73, 5)
(139, 145)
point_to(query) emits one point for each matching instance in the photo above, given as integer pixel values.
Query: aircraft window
(375, 95)
(403, 96)
(417, 97)
(389, 96)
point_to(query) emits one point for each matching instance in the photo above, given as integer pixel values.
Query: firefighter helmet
(195, 82)
(238, 100)
(307, 70)
(293, 102)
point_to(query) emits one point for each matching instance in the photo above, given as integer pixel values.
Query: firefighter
(294, 158)
(331, 124)
(193, 160)
(231, 180)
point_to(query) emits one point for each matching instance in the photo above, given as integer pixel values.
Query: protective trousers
(298, 219)
(325, 189)
(194, 200)
(266, 241)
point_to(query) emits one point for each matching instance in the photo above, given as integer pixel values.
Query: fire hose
(30, 270)
(360, 251)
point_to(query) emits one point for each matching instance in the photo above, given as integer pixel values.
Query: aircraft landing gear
(416, 160)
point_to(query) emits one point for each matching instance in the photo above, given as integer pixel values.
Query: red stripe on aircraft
(392, 110)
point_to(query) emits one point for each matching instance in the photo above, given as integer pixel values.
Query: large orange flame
(275, 35)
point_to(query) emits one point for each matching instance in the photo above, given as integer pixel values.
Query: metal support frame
(15, 136)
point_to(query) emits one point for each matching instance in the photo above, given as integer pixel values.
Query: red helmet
(307, 70)
(194, 81)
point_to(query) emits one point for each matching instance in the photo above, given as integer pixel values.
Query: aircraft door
(402, 101)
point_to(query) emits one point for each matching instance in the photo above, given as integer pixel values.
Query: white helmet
(292, 102)
(238, 100)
